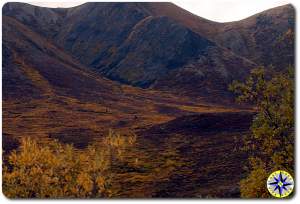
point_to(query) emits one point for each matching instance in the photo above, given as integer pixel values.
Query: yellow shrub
(60, 171)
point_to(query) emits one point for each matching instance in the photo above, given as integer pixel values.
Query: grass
(175, 165)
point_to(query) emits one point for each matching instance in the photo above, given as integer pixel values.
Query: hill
(140, 47)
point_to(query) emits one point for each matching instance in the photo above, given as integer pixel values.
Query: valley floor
(184, 148)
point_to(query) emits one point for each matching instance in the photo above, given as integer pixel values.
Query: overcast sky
(216, 10)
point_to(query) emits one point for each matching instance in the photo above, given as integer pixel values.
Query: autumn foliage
(271, 145)
(56, 170)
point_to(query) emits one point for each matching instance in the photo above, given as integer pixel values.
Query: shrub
(56, 170)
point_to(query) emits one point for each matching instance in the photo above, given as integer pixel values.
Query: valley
(149, 69)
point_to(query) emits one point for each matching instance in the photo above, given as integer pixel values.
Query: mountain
(152, 69)
(33, 67)
(56, 56)
(133, 44)
(266, 38)
(162, 46)
(42, 84)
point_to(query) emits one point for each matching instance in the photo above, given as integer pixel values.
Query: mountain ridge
(129, 43)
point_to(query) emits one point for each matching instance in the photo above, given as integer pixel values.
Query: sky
(216, 10)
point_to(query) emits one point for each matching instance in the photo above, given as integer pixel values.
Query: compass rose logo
(280, 184)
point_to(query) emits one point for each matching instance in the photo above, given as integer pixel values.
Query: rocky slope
(33, 67)
(266, 38)
(134, 44)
